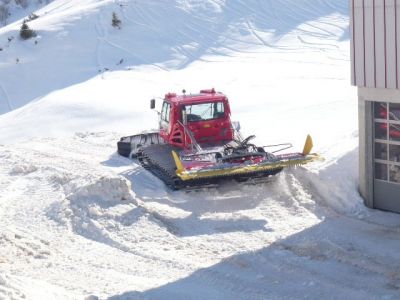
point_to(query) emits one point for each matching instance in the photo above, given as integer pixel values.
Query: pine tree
(26, 32)
(116, 22)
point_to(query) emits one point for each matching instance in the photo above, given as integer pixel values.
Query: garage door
(387, 156)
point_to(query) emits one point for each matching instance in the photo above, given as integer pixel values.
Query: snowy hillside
(256, 51)
(13, 10)
(77, 220)
(163, 35)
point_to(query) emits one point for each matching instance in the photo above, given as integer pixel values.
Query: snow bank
(335, 183)
(89, 200)
(103, 189)
(23, 169)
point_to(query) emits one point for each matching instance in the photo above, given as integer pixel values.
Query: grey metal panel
(397, 43)
(386, 196)
(375, 43)
(352, 46)
(362, 148)
(369, 155)
(380, 44)
(359, 42)
(370, 79)
(366, 173)
(391, 44)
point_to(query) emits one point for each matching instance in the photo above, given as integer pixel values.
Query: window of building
(387, 141)
(381, 151)
(394, 173)
(380, 110)
(394, 153)
(380, 171)
(394, 111)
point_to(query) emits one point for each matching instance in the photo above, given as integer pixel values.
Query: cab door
(165, 118)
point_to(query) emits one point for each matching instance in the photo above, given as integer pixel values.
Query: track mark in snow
(143, 24)
(101, 36)
(261, 40)
(318, 45)
(8, 289)
(20, 287)
(23, 244)
(134, 55)
(6, 97)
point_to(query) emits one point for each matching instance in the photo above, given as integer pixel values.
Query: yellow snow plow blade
(231, 170)
(308, 145)
(179, 166)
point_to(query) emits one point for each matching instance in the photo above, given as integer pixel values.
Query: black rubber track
(158, 160)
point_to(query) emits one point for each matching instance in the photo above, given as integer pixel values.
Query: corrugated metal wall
(375, 48)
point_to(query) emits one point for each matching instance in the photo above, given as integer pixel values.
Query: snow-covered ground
(77, 220)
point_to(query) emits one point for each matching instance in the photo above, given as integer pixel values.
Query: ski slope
(80, 222)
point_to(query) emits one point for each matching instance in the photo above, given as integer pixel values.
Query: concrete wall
(365, 155)
(379, 94)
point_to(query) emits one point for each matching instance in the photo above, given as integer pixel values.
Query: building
(375, 70)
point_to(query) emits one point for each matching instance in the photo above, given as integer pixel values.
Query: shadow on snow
(325, 261)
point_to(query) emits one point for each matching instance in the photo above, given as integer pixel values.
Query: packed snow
(80, 222)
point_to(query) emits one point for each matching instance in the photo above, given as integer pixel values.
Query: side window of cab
(166, 108)
(165, 117)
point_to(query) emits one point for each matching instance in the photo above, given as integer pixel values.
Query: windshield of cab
(204, 111)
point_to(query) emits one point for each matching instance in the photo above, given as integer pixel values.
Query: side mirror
(152, 103)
